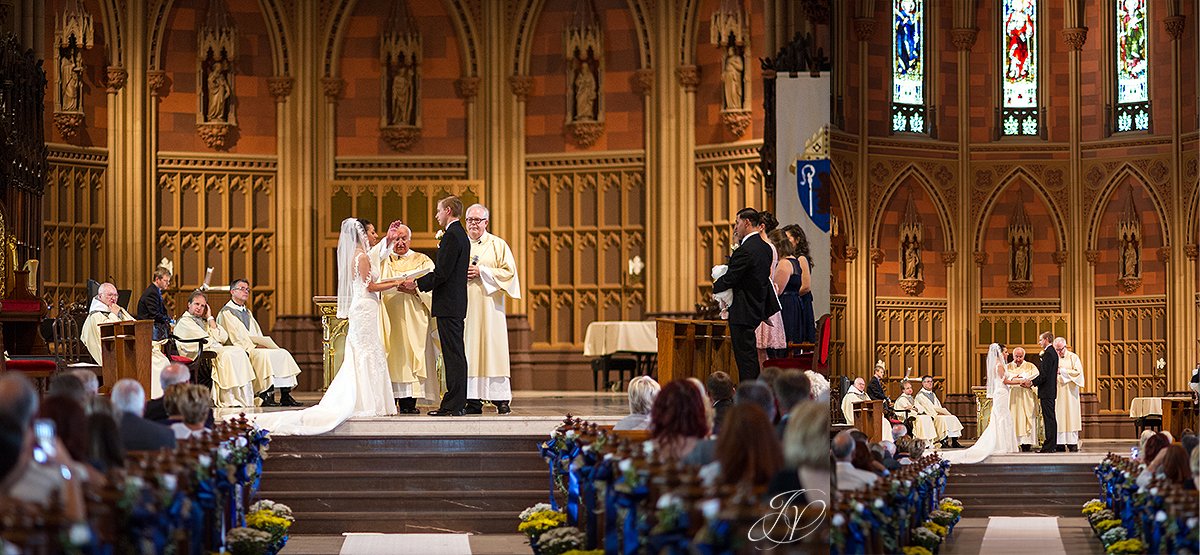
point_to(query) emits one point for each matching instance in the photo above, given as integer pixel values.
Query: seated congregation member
(904, 447)
(1174, 466)
(758, 393)
(105, 450)
(191, 403)
(906, 406)
(105, 310)
(849, 477)
(642, 391)
(806, 454)
(274, 368)
(151, 306)
(949, 429)
(71, 434)
(862, 458)
(791, 388)
(885, 452)
(678, 420)
(39, 472)
(856, 393)
(747, 452)
(406, 331)
(720, 392)
(1154, 445)
(137, 433)
(174, 373)
(69, 386)
(232, 373)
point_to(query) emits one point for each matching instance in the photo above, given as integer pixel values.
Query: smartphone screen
(43, 429)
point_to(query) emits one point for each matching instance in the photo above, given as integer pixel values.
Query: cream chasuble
(90, 336)
(232, 373)
(272, 365)
(485, 330)
(405, 326)
(1066, 406)
(923, 427)
(1023, 401)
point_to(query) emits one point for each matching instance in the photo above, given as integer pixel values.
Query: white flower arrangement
(279, 509)
(247, 540)
(204, 460)
(168, 481)
(1161, 363)
(1113, 535)
(80, 534)
(667, 500)
(711, 508)
(648, 447)
(534, 509)
(838, 519)
(625, 465)
(560, 540)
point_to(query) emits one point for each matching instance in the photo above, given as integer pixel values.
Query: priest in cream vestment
(405, 328)
(232, 374)
(274, 368)
(856, 393)
(923, 426)
(1023, 401)
(104, 310)
(948, 426)
(491, 277)
(1067, 408)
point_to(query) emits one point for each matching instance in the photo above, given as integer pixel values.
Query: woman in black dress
(796, 298)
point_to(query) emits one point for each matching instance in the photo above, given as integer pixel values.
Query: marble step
(380, 444)
(1022, 489)
(407, 522)
(410, 460)
(422, 501)
(1034, 507)
(397, 478)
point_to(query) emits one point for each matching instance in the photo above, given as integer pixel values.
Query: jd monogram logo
(788, 523)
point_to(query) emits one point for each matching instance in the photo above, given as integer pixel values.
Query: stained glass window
(1019, 55)
(1133, 93)
(908, 66)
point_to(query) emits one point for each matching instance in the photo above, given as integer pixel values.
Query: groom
(448, 281)
(1046, 382)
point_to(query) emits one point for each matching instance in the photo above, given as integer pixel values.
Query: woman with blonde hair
(806, 454)
(642, 391)
(191, 402)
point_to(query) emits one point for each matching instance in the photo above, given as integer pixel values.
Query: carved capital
(689, 76)
(963, 38)
(156, 80)
(876, 256)
(1175, 25)
(1092, 256)
(643, 81)
(1192, 251)
(851, 252)
(1075, 37)
(117, 77)
(736, 121)
(1164, 255)
(216, 135)
(1060, 257)
(585, 133)
(864, 27)
(68, 124)
(980, 258)
(401, 138)
(467, 87)
(1021, 287)
(520, 85)
(912, 287)
(949, 257)
(334, 88)
(280, 87)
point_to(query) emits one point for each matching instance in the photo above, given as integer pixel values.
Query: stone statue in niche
(733, 78)
(1129, 243)
(912, 236)
(1129, 259)
(400, 58)
(219, 92)
(1021, 262)
(585, 90)
(73, 31)
(912, 266)
(403, 94)
(70, 82)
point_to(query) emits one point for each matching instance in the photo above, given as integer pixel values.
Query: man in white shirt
(848, 477)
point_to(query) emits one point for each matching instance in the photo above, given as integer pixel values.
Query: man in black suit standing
(1047, 384)
(448, 281)
(152, 307)
(875, 389)
(749, 276)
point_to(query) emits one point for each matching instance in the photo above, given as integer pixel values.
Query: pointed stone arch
(849, 210)
(1105, 197)
(460, 16)
(530, 14)
(935, 196)
(1006, 181)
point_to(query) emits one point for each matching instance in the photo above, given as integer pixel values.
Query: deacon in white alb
(274, 368)
(232, 374)
(105, 310)
(491, 277)
(1067, 408)
(948, 426)
(923, 426)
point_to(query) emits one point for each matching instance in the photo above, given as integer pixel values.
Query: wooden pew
(693, 349)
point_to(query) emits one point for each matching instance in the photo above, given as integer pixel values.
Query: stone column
(1077, 276)
(1180, 263)
(860, 271)
(963, 302)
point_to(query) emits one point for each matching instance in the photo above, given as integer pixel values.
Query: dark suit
(139, 434)
(1047, 384)
(156, 411)
(749, 276)
(875, 390)
(152, 307)
(448, 281)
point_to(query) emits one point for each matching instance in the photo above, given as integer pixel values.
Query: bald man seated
(105, 310)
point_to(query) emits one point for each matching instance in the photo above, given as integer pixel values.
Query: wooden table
(605, 339)
(1144, 410)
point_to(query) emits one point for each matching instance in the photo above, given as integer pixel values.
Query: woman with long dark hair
(678, 419)
(796, 298)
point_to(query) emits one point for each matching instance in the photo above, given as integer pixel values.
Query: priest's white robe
(485, 330)
(232, 373)
(404, 321)
(947, 424)
(1023, 402)
(923, 426)
(89, 334)
(1067, 409)
(272, 367)
(852, 396)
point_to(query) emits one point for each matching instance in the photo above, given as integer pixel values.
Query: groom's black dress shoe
(502, 407)
(444, 412)
(955, 444)
(1060, 448)
(1026, 448)
(472, 410)
(1073, 448)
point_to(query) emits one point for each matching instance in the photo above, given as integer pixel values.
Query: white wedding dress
(1000, 436)
(361, 387)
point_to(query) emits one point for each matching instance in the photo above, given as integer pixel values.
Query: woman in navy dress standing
(795, 277)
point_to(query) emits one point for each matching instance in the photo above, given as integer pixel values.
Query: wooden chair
(813, 356)
(66, 345)
(200, 368)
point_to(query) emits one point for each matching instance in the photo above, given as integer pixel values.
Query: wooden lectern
(868, 418)
(1177, 415)
(694, 349)
(125, 348)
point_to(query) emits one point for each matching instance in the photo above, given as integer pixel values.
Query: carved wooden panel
(837, 341)
(73, 232)
(727, 180)
(910, 333)
(1131, 334)
(218, 213)
(586, 222)
(1014, 326)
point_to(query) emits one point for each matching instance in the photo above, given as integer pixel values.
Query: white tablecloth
(606, 338)
(1145, 406)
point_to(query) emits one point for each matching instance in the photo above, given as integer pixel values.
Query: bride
(362, 386)
(1000, 436)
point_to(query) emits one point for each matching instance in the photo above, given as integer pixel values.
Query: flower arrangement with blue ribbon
(1158, 518)
(882, 516)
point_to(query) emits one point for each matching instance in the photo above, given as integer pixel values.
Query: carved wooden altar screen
(910, 333)
(1131, 334)
(1014, 329)
(23, 157)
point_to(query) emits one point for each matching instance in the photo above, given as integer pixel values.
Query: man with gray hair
(137, 433)
(491, 277)
(106, 310)
(642, 392)
(411, 356)
(174, 373)
(1069, 412)
(848, 477)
